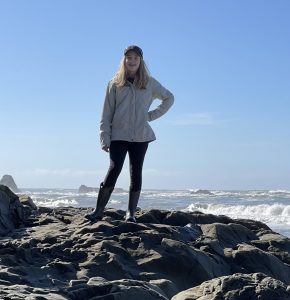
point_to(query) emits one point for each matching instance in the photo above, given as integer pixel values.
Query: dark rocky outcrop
(14, 211)
(185, 255)
(238, 286)
(8, 181)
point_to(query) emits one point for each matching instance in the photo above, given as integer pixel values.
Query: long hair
(142, 75)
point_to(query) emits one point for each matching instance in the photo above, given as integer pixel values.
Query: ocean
(269, 206)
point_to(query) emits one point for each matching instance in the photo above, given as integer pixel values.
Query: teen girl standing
(124, 126)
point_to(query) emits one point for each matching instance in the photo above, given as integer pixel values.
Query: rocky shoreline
(57, 254)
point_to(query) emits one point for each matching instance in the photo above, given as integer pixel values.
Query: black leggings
(118, 151)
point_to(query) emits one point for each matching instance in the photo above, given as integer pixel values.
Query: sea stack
(86, 189)
(83, 189)
(8, 181)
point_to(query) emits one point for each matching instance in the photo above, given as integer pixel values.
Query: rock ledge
(57, 254)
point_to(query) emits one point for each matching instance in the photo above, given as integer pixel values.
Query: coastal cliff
(58, 254)
(8, 181)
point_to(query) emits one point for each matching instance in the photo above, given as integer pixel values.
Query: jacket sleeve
(107, 115)
(166, 97)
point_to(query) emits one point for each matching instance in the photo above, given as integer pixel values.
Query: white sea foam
(56, 203)
(164, 194)
(269, 206)
(114, 201)
(201, 192)
(280, 193)
(277, 213)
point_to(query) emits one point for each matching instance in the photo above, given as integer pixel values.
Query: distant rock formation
(202, 192)
(8, 181)
(86, 189)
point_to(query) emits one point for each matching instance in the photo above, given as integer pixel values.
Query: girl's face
(132, 62)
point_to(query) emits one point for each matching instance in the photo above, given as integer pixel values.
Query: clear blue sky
(226, 62)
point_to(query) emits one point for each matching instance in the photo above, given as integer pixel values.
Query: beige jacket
(126, 112)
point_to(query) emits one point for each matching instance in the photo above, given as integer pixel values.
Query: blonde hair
(142, 75)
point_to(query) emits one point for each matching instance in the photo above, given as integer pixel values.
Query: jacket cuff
(105, 141)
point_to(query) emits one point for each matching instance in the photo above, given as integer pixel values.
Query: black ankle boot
(133, 201)
(103, 198)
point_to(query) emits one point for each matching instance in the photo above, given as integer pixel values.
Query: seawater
(269, 206)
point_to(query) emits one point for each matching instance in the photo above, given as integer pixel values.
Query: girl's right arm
(107, 116)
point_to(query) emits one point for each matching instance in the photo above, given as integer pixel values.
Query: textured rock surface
(13, 212)
(255, 286)
(60, 255)
(8, 181)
